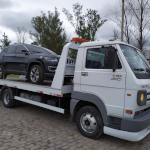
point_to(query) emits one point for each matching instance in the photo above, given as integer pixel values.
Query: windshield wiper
(139, 69)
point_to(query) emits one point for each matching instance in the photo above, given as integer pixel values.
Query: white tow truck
(109, 92)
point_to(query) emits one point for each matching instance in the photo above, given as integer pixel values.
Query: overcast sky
(18, 13)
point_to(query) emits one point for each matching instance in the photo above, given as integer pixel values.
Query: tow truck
(108, 91)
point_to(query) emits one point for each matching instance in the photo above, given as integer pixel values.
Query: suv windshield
(136, 61)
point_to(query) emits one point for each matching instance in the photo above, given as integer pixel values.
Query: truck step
(60, 110)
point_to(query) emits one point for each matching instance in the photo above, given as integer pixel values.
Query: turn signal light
(128, 111)
(142, 97)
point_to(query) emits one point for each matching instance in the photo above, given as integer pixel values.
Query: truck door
(97, 79)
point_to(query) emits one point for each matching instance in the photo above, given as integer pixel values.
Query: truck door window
(95, 59)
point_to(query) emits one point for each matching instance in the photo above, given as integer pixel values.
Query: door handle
(3, 55)
(84, 74)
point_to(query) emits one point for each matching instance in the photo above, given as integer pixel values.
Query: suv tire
(2, 76)
(36, 75)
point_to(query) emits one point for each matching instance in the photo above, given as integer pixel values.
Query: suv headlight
(141, 98)
(51, 59)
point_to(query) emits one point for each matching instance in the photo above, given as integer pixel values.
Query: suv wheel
(36, 75)
(2, 76)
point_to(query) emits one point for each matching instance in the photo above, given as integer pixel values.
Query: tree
(127, 23)
(86, 25)
(140, 10)
(5, 41)
(48, 31)
(115, 34)
(22, 35)
(136, 22)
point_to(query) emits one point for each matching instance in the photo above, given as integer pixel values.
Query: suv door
(9, 60)
(21, 60)
(97, 79)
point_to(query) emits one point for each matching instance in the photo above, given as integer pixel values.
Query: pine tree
(49, 31)
(5, 41)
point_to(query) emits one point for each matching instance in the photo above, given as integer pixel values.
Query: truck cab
(115, 78)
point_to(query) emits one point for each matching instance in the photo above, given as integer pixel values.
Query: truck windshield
(136, 61)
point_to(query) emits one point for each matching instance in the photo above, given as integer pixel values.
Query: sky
(18, 13)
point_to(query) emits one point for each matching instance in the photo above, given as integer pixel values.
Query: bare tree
(127, 23)
(22, 35)
(35, 37)
(140, 12)
(116, 34)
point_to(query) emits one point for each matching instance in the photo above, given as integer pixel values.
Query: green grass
(13, 75)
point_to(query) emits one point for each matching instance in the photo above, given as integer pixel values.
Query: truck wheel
(7, 100)
(2, 76)
(89, 122)
(36, 74)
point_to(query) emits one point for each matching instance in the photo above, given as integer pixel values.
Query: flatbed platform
(45, 88)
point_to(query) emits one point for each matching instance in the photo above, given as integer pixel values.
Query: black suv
(37, 63)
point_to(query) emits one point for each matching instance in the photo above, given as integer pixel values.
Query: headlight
(141, 98)
(50, 59)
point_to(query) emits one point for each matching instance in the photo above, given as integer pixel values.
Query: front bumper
(49, 70)
(132, 129)
(136, 124)
(49, 76)
(130, 136)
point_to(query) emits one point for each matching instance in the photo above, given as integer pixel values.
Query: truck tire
(7, 100)
(89, 122)
(2, 76)
(36, 75)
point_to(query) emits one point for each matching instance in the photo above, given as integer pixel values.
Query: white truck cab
(115, 77)
(110, 92)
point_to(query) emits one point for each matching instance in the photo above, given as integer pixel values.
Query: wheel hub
(6, 98)
(34, 74)
(88, 122)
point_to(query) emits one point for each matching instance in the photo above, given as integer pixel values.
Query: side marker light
(128, 111)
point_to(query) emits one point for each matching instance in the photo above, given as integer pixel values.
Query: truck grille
(148, 96)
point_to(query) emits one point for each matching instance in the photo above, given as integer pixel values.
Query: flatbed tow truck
(108, 92)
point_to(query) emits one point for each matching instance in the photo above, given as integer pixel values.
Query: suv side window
(95, 59)
(11, 50)
(19, 49)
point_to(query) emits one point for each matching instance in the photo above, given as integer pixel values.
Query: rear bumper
(130, 136)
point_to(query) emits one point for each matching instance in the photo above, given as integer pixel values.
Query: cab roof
(97, 43)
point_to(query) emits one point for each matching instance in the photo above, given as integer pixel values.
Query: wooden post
(122, 26)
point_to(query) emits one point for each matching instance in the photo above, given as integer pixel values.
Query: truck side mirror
(110, 58)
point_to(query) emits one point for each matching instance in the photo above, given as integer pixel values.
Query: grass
(13, 75)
